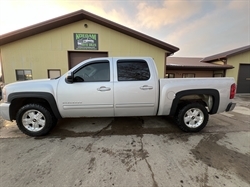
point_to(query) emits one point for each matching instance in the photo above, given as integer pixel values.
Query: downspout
(1, 66)
(166, 55)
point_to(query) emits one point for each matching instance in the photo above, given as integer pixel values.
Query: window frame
(53, 70)
(188, 74)
(24, 75)
(132, 61)
(222, 74)
(167, 75)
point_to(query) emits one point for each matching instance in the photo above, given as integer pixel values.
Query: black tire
(192, 117)
(39, 120)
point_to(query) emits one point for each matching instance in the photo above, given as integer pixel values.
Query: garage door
(244, 79)
(77, 57)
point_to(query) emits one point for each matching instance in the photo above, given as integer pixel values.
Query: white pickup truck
(111, 87)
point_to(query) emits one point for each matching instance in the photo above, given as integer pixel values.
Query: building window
(54, 73)
(170, 75)
(188, 75)
(218, 74)
(133, 70)
(22, 75)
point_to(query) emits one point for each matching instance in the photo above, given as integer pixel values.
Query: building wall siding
(49, 50)
(243, 58)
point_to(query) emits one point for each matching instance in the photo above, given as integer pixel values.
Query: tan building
(234, 63)
(51, 48)
(238, 58)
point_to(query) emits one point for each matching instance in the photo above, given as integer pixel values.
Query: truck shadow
(94, 127)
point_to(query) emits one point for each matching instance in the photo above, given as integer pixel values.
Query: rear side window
(132, 70)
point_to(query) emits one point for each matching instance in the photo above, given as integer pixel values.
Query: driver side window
(95, 72)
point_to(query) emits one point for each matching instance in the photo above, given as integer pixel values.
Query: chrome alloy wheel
(33, 120)
(193, 118)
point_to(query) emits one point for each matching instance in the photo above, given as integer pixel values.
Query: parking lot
(132, 151)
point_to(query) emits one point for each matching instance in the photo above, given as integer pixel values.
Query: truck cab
(110, 87)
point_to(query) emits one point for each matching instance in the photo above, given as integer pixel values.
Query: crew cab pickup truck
(111, 87)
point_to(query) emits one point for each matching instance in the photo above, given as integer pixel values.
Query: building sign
(86, 41)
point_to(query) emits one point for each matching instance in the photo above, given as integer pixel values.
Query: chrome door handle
(146, 87)
(103, 88)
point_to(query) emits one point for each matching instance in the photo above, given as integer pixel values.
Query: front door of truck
(134, 88)
(91, 92)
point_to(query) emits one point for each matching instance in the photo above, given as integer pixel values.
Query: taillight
(232, 91)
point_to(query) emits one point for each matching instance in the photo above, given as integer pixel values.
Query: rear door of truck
(135, 87)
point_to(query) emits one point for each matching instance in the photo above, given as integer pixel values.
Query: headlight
(4, 95)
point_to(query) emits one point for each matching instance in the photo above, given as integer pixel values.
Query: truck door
(134, 88)
(91, 92)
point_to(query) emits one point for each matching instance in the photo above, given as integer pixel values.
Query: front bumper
(4, 111)
(230, 107)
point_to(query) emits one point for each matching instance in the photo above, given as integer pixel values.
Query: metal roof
(174, 63)
(77, 16)
(226, 54)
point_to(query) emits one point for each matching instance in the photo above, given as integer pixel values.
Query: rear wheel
(192, 117)
(35, 120)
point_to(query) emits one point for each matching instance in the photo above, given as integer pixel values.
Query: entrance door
(77, 57)
(244, 79)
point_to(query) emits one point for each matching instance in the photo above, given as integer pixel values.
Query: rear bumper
(230, 107)
(4, 111)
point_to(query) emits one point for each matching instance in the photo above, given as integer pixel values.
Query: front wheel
(193, 117)
(35, 120)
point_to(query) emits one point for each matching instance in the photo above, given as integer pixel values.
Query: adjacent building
(184, 67)
(234, 63)
(238, 58)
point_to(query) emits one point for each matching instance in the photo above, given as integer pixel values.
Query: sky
(199, 28)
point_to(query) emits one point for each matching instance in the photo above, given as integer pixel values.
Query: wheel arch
(19, 99)
(209, 92)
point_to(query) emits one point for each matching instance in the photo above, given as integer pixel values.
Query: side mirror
(70, 77)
